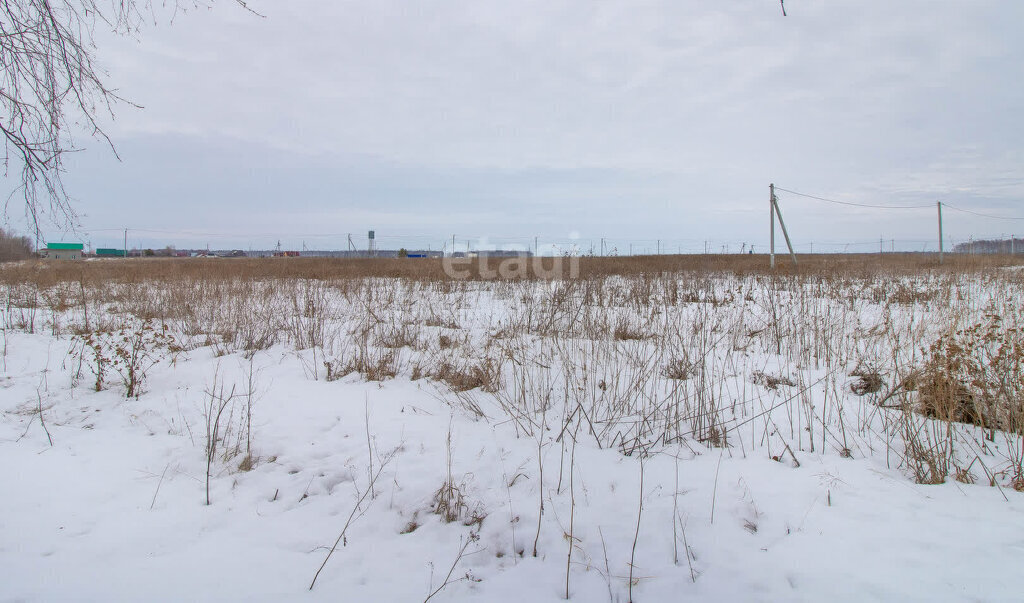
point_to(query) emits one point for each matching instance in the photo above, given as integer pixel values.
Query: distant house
(102, 252)
(63, 251)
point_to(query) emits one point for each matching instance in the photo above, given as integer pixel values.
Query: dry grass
(771, 381)
(974, 375)
(679, 369)
(668, 355)
(869, 381)
(624, 331)
(485, 375)
(48, 274)
(648, 351)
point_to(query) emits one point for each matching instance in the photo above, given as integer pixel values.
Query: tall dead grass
(642, 352)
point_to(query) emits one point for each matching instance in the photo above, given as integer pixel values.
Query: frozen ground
(104, 498)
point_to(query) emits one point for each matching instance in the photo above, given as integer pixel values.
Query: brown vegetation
(637, 353)
(431, 269)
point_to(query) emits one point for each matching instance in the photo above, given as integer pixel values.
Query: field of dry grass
(169, 269)
(891, 360)
(654, 343)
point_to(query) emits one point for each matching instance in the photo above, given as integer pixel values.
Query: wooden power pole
(771, 226)
(775, 211)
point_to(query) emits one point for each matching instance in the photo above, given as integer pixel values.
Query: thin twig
(39, 400)
(158, 484)
(351, 516)
(447, 580)
(636, 535)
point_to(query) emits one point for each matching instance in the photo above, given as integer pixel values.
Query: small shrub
(624, 331)
(868, 382)
(964, 476)
(449, 502)
(486, 375)
(976, 375)
(129, 351)
(941, 397)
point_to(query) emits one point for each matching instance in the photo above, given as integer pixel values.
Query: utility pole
(771, 212)
(881, 245)
(659, 247)
(938, 204)
(776, 211)
(453, 245)
(126, 243)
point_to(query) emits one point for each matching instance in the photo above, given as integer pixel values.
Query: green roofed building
(63, 251)
(103, 252)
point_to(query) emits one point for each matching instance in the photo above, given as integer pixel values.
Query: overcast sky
(633, 121)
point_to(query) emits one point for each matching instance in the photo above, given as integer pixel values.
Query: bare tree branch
(50, 86)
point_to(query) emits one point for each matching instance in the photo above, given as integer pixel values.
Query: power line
(869, 205)
(976, 213)
(852, 203)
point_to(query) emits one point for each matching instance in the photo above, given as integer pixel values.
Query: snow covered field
(649, 438)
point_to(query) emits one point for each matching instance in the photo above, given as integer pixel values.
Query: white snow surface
(115, 510)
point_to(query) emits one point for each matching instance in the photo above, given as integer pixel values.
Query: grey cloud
(656, 118)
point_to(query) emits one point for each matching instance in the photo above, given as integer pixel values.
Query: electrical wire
(852, 203)
(928, 206)
(976, 213)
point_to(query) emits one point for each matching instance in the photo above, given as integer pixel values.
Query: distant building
(63, 251)
(104, 252)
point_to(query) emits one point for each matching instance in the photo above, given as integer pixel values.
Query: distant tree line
(990, 246)
(14, 247)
